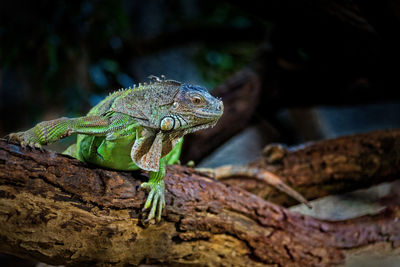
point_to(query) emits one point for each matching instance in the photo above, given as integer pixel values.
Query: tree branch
(327, 167)
(61, 211)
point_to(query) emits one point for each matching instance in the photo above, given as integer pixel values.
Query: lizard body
(135, 128)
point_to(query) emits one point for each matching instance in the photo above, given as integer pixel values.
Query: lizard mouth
(201, 126)
(209, 115)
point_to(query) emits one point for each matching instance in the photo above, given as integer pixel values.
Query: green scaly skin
(135, 128)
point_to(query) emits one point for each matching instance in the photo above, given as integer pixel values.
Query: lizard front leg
(43, 133)
(48, 132)
(156, 197)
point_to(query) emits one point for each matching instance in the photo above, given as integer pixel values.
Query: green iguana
(135, 128)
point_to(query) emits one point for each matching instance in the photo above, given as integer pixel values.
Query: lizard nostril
(220, 106)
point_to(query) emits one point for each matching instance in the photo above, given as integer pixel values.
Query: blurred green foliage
(67, 55)
(218, 62)
(49, 42)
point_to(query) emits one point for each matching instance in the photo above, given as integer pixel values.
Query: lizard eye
(197, 100)
(175, 105)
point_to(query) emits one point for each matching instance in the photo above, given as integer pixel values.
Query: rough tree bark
(328, 167)
(61, 211)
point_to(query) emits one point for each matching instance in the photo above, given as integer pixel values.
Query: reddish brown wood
(329, 166)
(59, 210)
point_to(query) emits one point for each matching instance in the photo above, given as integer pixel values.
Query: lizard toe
(23, 144)
(155, 200)
(31, 145)
(145, 186)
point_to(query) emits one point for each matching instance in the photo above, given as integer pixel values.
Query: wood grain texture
(61, 211)
(328, 167)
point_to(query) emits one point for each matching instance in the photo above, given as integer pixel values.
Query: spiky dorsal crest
(163, 80)
(154, 81)
(145, 100)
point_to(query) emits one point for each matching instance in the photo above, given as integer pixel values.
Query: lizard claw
(34, 146)
(11, 137)
(23, 144)
(16, 137)
(24, 140)
(155, 200)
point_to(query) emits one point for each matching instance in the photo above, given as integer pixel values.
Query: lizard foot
(155, 199)
(24, 140)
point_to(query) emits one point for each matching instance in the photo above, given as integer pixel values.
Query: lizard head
(169, 106)
(167, 110)
(192, 109)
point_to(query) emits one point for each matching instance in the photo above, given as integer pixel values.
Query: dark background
(62, 57)
(59, 58)
(328, 68)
